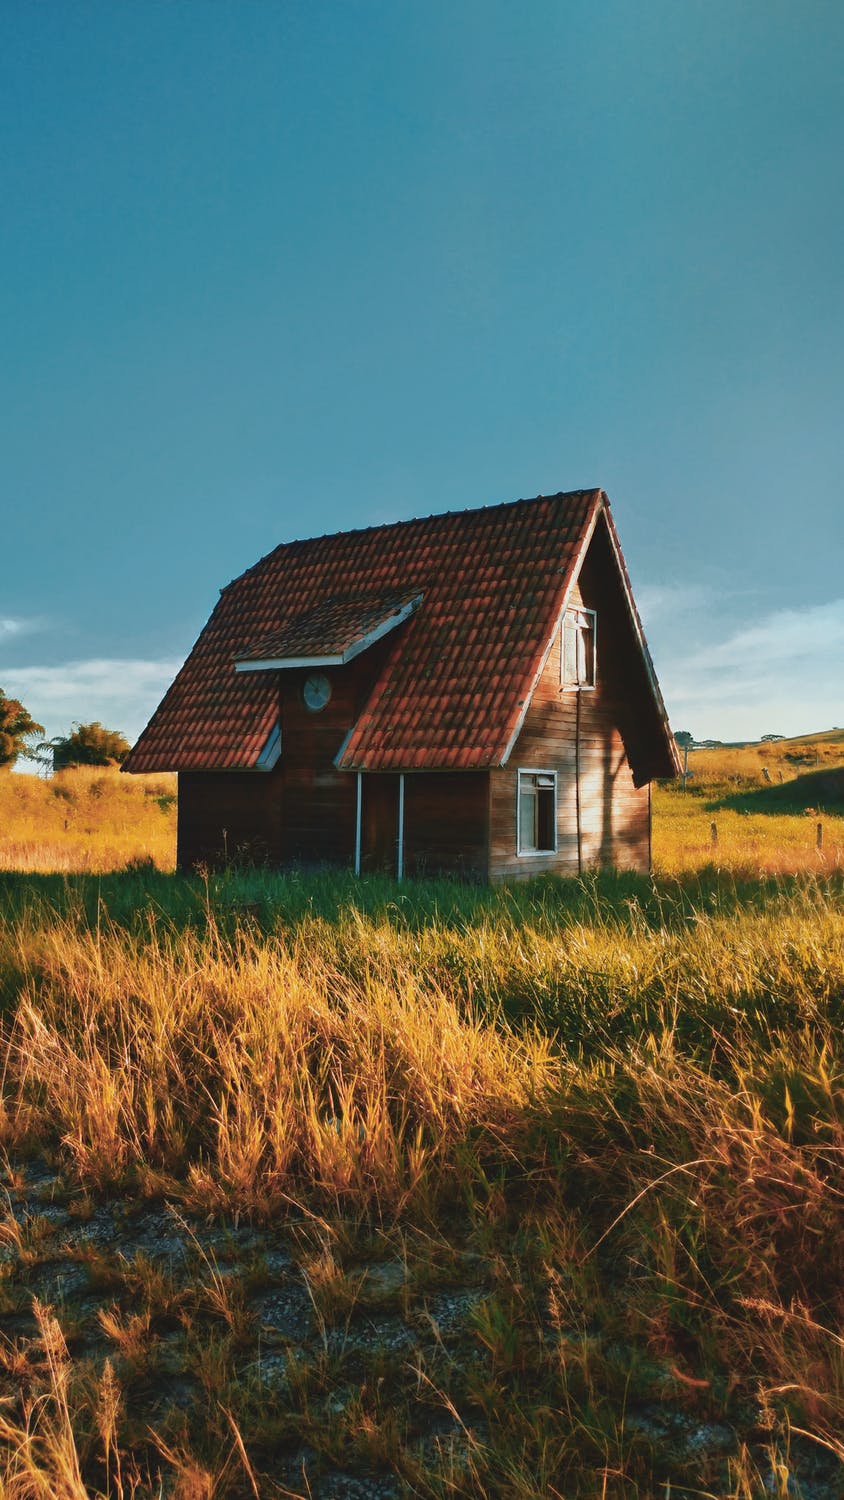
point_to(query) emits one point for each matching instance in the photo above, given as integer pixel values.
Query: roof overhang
(279, 662)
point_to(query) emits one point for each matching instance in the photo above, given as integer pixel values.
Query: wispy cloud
(11, 628)
(120, 693)
(659, 602)
(784, 673)
(786, 636)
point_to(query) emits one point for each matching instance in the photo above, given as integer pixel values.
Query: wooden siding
(581, 736)
(379, 823)
(445, 823)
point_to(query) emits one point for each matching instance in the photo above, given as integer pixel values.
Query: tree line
(85, 744)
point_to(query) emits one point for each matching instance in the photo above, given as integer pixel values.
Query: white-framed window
(536, 813)
(578, 656)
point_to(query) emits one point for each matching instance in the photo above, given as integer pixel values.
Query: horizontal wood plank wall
(225, 816)
(445, 823)
(614, 814)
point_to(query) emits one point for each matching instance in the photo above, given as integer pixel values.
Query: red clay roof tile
(457, 673)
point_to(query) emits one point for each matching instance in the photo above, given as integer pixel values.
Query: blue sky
(276, 269)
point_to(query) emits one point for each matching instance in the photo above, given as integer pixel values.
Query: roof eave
(672, 754)
(285, 663)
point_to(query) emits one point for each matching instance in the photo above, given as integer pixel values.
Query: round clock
(316, 691)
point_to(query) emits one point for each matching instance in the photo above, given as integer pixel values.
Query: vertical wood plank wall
(445, 823)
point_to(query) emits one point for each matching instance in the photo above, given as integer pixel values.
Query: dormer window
(577, 664)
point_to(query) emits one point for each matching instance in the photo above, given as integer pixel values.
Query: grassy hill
(764, 800)
(783, 760)
(811, 791)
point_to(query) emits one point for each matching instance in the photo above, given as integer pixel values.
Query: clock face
(316, 691)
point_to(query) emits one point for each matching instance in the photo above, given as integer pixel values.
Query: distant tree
(683, 737)
(16, 727)
(89, 745)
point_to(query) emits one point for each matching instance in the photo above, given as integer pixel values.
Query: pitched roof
(457, 676)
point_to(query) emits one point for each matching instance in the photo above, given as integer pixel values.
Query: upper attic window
(577, 664)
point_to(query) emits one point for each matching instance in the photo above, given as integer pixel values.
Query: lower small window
(537, 812)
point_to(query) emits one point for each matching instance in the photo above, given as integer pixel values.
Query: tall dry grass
(638, 1110)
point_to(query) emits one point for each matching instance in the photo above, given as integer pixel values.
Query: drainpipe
(357, 823)
(400, 855)
(577, 782)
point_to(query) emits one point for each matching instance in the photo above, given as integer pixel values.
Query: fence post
(820, 836)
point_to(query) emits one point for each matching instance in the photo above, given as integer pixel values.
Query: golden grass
(648, 1147)
(783, 759)
(735, 788)
(86, 819)
(347, 1085)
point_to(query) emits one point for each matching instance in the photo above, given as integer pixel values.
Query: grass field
(318, 1187)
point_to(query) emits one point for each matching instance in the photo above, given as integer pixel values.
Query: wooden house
(470, 693)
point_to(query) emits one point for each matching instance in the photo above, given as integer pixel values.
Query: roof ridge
(436, 515)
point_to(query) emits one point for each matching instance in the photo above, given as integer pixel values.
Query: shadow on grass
(823, 790)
